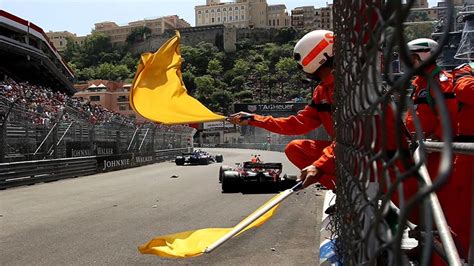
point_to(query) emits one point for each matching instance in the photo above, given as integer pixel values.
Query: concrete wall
(189, 36)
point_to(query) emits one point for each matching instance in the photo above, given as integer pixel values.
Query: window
(242, 7)
(224, 9)
(95, 98)
(236, 17)
(278, 22)
(212, 10)
(199, 12)
(230, 18)
(218, 10)
(218, 19)
(122, 98)
(122, 107)
(224, 18)
(243, 17)
(236, 8)
(212, 20)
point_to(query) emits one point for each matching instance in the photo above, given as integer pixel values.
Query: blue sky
(79, 16)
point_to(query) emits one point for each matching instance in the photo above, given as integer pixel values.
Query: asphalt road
(102, 219)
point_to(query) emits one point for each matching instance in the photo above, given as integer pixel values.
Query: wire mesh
(374, 151)
(24, 139)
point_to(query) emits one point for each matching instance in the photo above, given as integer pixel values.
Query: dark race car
(198, 157)
(233, 179)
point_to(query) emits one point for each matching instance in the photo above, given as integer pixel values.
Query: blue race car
(198, 157)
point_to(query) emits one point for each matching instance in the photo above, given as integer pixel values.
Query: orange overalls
(450, 194)
(303, 153)
(463, 170)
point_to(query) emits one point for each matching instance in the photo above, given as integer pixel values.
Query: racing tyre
(204, 161)
(230, 182)
(222, 169)
(219, 158)
(179, 161)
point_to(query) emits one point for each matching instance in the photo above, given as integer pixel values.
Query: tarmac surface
(102, 219)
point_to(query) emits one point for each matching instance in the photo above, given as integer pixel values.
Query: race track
(102, 219)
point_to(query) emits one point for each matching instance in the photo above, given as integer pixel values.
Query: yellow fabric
(158, 92)
(193, 243)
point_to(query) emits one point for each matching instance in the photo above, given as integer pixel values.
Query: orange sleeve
(305, 121)
(464, 89)
(326, 161)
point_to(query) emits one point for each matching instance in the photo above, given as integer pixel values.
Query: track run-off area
(102, 219)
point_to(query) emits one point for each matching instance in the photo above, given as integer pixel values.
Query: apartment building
(118, 34)
(278, 17)
(242, 14)
(324, 17)
(304, 18)
(309, 17)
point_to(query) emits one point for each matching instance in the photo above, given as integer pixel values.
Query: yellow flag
(158, 92)
(193, 243)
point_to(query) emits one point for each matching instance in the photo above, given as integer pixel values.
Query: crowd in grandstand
(44, 106)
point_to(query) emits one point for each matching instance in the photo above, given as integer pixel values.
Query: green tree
(87, 73)
(95, 47)
(121, 72)
(419, 30)
(72, 49)
(241, 67)
(220, 101)
(214, 68)
(204, 87)
(138, 34)
(188, 79)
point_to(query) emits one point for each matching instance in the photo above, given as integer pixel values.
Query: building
(420, 4)
(112, 95)
(119, 34)
(235, 14)
(324, 17)
(309, 17)
(278, 17)
(242, 14)
(304, 18)
(60, 38)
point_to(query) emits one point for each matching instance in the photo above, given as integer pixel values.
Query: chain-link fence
(382, 186)
(70, 134)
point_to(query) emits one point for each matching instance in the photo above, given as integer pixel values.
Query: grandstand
(43, 128)
(28, 54)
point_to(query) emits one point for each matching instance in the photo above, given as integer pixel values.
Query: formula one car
(234, 178)
(198, 157)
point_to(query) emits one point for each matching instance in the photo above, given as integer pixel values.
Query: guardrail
(32, 172)
(251, 146)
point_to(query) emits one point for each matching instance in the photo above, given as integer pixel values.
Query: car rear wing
(277, 166)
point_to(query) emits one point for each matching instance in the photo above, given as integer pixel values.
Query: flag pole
(253, 217)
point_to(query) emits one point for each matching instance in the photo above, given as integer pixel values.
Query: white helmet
(313, 50)
(422, 47)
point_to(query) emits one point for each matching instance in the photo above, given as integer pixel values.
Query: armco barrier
(252, 146)
(32, 172)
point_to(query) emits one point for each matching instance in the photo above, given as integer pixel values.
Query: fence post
(55, 140)
(153, 132)
(91, 138)
(117, 141)
(3, 141)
